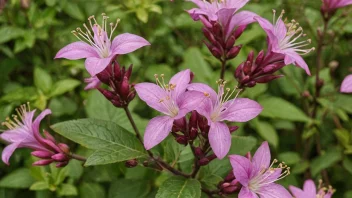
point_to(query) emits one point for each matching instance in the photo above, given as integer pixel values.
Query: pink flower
(217, 109)
(346, 86)
(331, 5)
(310, 191)
(282, 39)
(258, 177)
(92, 83)
(170, 99)
(24, 133)
(100, 51)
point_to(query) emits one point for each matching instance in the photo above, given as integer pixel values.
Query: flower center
(222, 98)
(97, 35)
(268, 175)
(167, 101)
(324, 190)
(15, 122)
(294, 32)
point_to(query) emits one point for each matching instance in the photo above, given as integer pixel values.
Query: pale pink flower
(217, 108)
(258, 176)
(171, 99)
(283, 39)
(92, 82)
(310, 191)
(95, 45)
(331, 5)
(346, 86)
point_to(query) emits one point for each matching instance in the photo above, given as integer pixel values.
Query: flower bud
(250, 57)
(230, 189)
(249, 156)
(180, 125)
(49, 136)
(230, 42)
(182, 140)
(216, 52)
(204, 161)
(205, 22)
(61, 164)
(239, 72)
(104, 76)
(224, 185)
(247, 67)
(198, 152)
(238, 32)
(131, 163)
(129, 72)
(230, 177)
(108, 94)
(60, 157)
(125, 88)
(234, 51)
(193, 120)
(217, 29)
(42, 154)
(233, 128)
(43, 162)
(193, 133)
(259, 58)
(251, 84)
(209, 36)
(266, 79)
(64, 148)
(306, 94)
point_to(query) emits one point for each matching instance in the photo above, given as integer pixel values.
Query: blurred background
(32, 32)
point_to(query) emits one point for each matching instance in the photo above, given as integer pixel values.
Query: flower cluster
(23, 132)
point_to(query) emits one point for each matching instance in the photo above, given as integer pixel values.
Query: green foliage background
(32, 32)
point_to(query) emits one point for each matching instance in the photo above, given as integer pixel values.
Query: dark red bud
(204, 161)
(43, 162)
(245, 79)
(117, 103)
(238, 32)
(230, 189)
(49, 136)
(198, 152)
(131, 96)
(211, 157)
(233, 52)
(182, 140)
(42, 154)
(250, 57)
(191, 77)
(193, 120)
(209, 36)
(131, 163)
(108, 94)
(181, 124)
(216, 52)
(64, 148)
(230, 42)
(129, 72)
(61, 164)
(259, 58)
(266, 79)
(104, 76)
(50, 145)
(125, 88)
(224, 185)
(193, 133)
(249, 156)
(239, 71)
(251, 84)
(233, 128)
(217, 30)
(320, 83)
(247, 67)
(230, 177)
(117, 71)
(60, 157)
(234, 182)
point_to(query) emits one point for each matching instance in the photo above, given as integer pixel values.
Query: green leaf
(73, 10)
(290, 158)
(62, 106)
(42, 80)
(347, 164)
(129, 188)
(194, 60)
(142, 15)
(100, 108)
(240, 145)
(111, 142)
(177, 187)
(40, 185)
(64, 86)
(278, 108)
(19, 178)
(22, 94)
(91, 190)
(325, 161)
(172, 150)
(267, 132)
(9, 33)
(68, 190)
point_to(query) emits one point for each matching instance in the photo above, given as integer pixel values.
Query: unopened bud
(43, 162)
(247, 67)
(216, 52)
(259, 58)
(224, 185)
(320, 83)
(233, 128)
(108, 94)
(250, 57)
(239, 72)
(182, 140)
(233, 52)
(131, 163)
(125, 88)
(238, 32)
(61, 164)
(249, 156)
(230, 177)
(230, 189)
(60, 157)
(306, 94)
(49, 136)
(217, 29)
(205, 22)
(104, 76)
(230, 42)
(209, 36)
(251, 84)
(64, 148)
(198, 152)
(193, 133)
(42, 154)
(129, 72)
(204, 161)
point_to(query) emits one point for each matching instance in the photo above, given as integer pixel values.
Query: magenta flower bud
(230, 42)
(250, 57)
(117, 70)
(108, 94)
(198, 152)
(104, 76)
(266, 79)
(249, 156)
(129, 72)
(245, 79)
(182, 140)
(180, 124)
(42, 154)
(216, 52)
(205, 22)
(61, 164)
(49, 136)
(224, 185)
(125, 88)
(193, 120)
(193, 133)
(116, 103)
(238, 32)
(234, 182)
(209, 36)
(60, 157)
(51, 145)
(259, 58)
(131, 163)
(230, 189)
(204, 161)
(251, 83)
(247, 67)
(217, 30)
(269, 68)
(233, 52)
(230, 177)
(233, 128)
(238, 72)
(64, 148)
(43, 162)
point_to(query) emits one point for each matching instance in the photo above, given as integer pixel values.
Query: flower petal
(152, 94)
(292, 57)
(236, 3)
(298, 193)
(189, 101)
(40, 117)
(77, 50)
(242, 168)
(157, 130)
(240, 110)
(274, 191)
(92, 82)
(246, 193)
(261, 158)
(240, 19)
(181, 81)
(126, 43)
(309, 188)
(204, 89)
(346, 86)
(96, 65)
(8, 151)
(280, 30)
(219, 139)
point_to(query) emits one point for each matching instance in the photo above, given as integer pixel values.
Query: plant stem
(171, 169)
(134, 126)
(78, 157)
(196, 163)
(223, 68)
